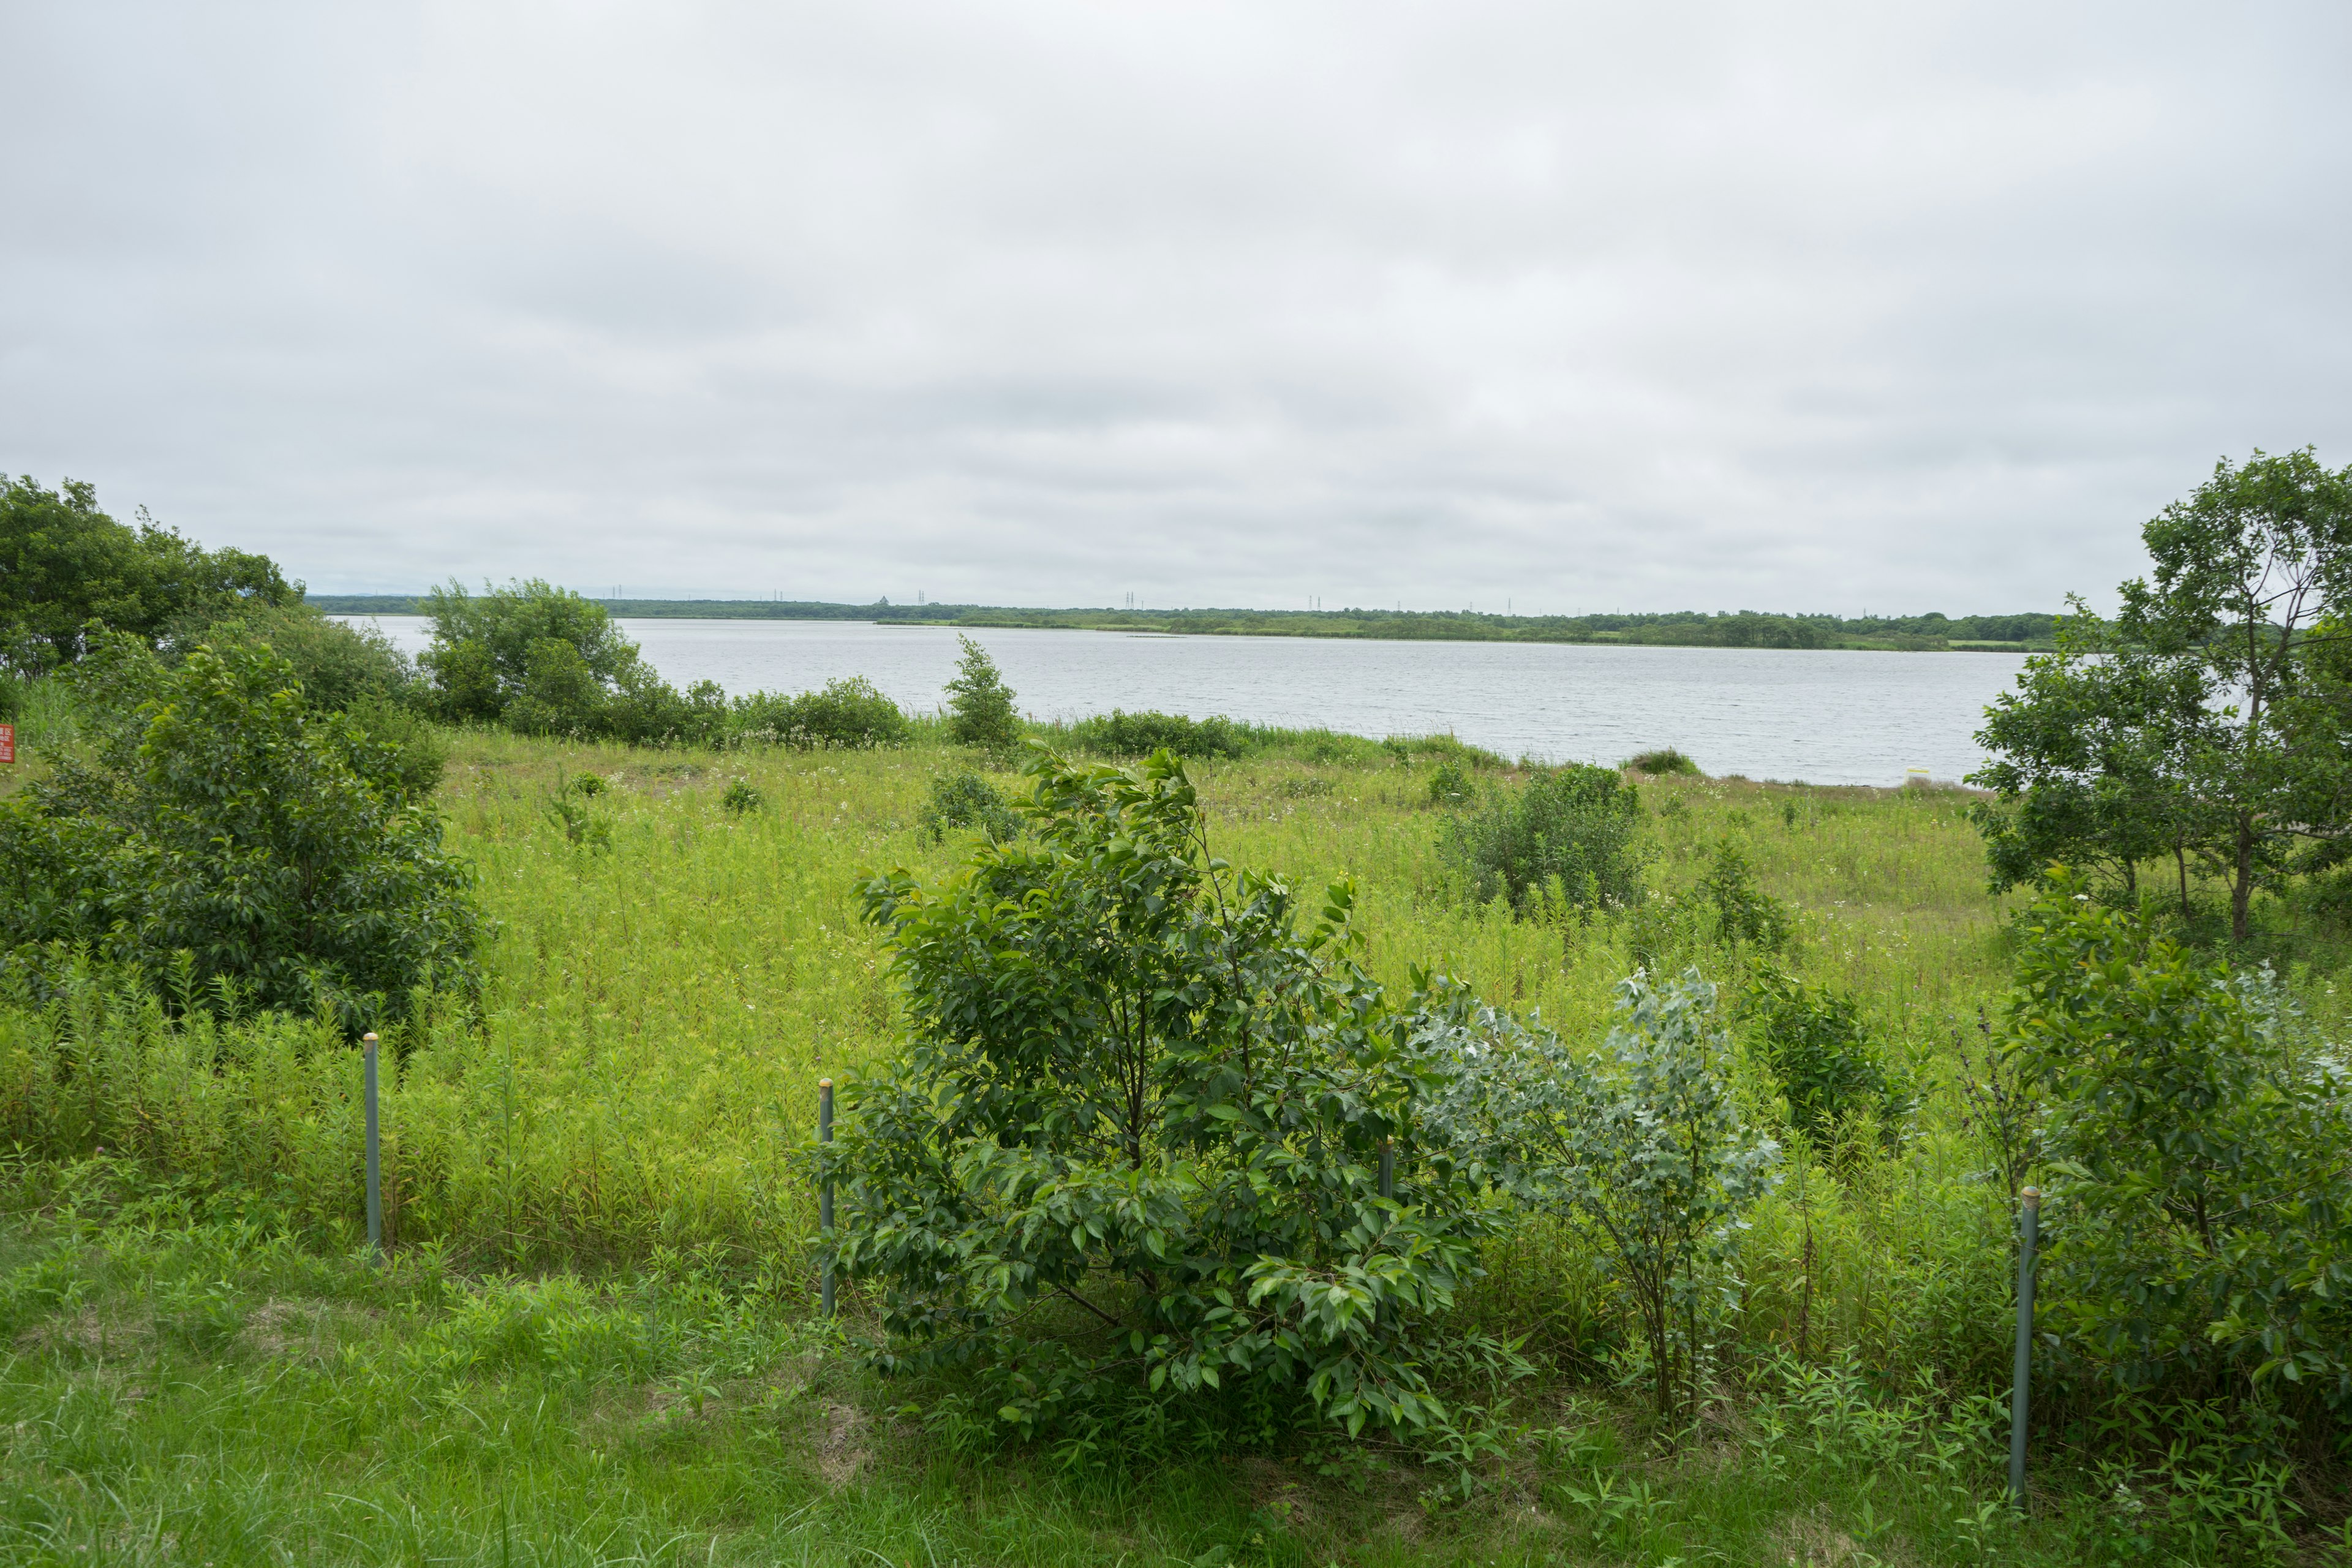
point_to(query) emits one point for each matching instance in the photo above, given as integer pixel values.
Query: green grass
(593, 1342)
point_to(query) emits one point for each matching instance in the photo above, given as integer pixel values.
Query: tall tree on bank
(2213, 717)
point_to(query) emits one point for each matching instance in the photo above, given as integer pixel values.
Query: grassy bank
(593, 1342)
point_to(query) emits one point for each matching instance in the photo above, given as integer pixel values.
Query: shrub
(1644, 1153)
(410, 755)
(1573, 836)
(541, 660)
(1743, 912)
(339, 665)
(1664, 762)
(1133, 1087)
(220, 830)
(980, 705)
(742, 798)
(1119, 734)
(968, 799)
(1813, 1041)
(2199, 1207)
(851, 714)
(1449, 787)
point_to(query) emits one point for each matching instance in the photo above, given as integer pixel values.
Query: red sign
(7, 742)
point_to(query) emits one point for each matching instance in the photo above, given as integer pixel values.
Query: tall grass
(663, 995)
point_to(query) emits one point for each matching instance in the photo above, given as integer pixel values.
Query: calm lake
(1826, 718)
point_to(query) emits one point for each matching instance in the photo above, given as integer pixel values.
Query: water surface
(1823, 717)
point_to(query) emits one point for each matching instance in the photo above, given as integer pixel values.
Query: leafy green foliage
(338, 665)
(67, 563)
(1119, 734)
(1743, 912)
(980, 705)
(221, 830)
(1572, 838)
(1449, 787)
(2199, 1202)
(2212, 718)
(1664, 762)
(530, 643)
(541, 660)
(1812, 1039)
(1643, 1151)
(742, 797)
(848, 714)
(967, 800)
(1133, 1087)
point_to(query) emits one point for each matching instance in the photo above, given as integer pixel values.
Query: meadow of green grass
(593, 1341)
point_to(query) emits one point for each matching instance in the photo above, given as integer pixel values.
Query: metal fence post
(375, 1151)
(824, 1195)
(1388, 1168)
(2028, 1229)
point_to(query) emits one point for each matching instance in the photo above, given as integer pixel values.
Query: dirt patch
(1274, 1489)
(83, 1330)
(287, 1331)
(1811, 1540)
(840, 1444)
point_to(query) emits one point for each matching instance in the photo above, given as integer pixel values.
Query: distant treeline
(1681, 629)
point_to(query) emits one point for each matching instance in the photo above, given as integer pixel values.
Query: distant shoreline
(2019, 633)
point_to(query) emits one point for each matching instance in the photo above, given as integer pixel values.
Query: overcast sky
(1855, 306)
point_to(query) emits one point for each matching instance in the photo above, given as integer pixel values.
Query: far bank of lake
(1822, 716)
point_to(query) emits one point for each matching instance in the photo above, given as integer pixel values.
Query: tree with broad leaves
(2213, 717)
(1135, 1091)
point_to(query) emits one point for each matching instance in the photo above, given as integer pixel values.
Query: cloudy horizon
(1573, 308)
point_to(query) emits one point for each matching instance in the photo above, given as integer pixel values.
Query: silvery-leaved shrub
(1129, 1149)
(1641, 1148)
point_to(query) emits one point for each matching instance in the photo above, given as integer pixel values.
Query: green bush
(1813, 1041)
(1119, 734)
(1664, 762)
(980, 705)
(1449, 787)
(1743, 912)
(2198, 1206)
(218, 830)
(1572, 837)
(968, 799)
(849, 714)
(741, 798)
(541, 660)
(338, 665)
(1133, 1089)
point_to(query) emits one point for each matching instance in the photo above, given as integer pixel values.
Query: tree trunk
(2181, 857)
(2242, 891)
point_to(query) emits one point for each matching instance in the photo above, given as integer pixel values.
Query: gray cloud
(1855, 306)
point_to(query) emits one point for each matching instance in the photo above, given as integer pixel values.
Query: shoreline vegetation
(1249, 1147)
(1934, 633)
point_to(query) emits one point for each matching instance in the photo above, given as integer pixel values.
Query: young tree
(1132, 1086)
(2090, 761)
(220, 828)
(2211, 717)
(980, 705)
